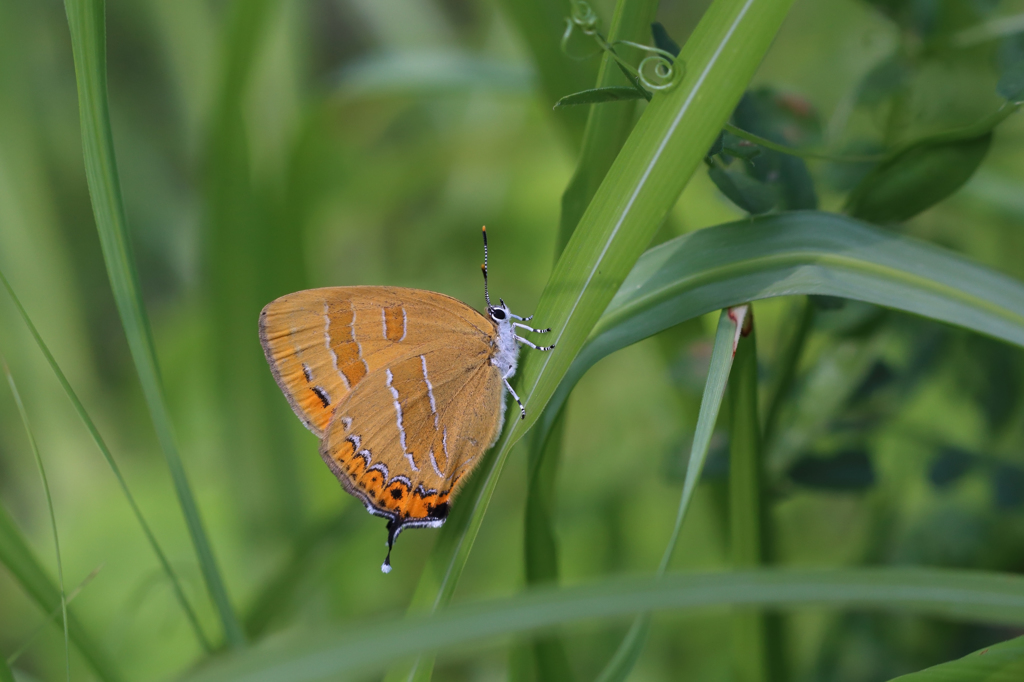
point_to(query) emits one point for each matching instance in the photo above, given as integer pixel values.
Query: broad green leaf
(49, 507)
(923, 173)
(1003, 662)
(611, 93)
(973, 596)
(88, 46)
(641, 187)
(432, 72)
(917, 179)
(28, 572)
(726, 337)
(805, 252)
(165, 565)
(750, 194)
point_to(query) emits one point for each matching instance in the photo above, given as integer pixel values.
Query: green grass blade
(785, 371)
(753, 648)
(5, 672)
(726, 337)
(88, 44)
(806, 252)
(974, 596)
(642, 185)
(28, 572)
(49, 506)
(1003, 662)
(33, 633)
(606, 131)
(179, 592)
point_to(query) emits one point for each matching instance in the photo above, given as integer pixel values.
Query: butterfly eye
(498, 314)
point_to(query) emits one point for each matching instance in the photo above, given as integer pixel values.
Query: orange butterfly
(404, 387)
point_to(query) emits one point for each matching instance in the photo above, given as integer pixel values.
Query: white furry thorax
(506, 348)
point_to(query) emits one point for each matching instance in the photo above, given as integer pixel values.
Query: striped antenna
(483, 267)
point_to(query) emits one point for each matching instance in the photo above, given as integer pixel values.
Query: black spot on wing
(320, 393)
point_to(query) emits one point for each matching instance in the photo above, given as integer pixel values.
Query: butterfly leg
(532, 345)
(521, 319)
(531, 329)
(522, 410)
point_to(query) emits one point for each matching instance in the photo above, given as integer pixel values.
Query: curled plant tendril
(583, 15)
(657, 71)
(661, 69)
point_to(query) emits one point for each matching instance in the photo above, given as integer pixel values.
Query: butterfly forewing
(321, 343)
(396, 382)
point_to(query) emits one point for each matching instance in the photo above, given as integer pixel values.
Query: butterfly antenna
(487, 296)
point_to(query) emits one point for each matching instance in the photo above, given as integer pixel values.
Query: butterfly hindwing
(404, 438)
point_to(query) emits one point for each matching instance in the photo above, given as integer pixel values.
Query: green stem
(49, 505)
(86, 22)
(754, 656)
(786, 369)
(179, 592)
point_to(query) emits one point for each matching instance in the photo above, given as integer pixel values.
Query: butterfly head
(499, 313)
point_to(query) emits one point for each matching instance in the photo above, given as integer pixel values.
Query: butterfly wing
(405, 437)
(322, 343)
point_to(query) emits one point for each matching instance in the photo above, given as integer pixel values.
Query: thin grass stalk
(625, 657)
(28, 572)
(750, 656)
(789, 360)
(254, 253)
(962, 595)
(607, 128)
(644, 182)
(31, 637)
(86, 23)
(49, 506)
(179, 592)
(757, 655)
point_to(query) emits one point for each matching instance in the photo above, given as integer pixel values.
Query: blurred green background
(269, 146)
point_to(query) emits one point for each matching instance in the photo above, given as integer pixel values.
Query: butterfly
(405, 389)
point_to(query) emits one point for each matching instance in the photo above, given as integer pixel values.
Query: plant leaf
(49, 506)
(923, 173)
(88, 44)
(642, 185)
(28, 572)
(750, 194)
(804, 252)
(90, 425)
(1003, 662)
(974, 596)
(610, 93)
(625, 657)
